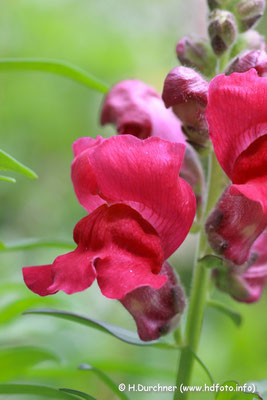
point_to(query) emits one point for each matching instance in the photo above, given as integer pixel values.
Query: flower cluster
(141, 187)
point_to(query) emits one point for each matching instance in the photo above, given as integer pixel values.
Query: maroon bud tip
(250, 59)
(156, 312)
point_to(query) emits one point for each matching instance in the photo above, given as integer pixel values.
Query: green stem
(55, 67)
(199, 289)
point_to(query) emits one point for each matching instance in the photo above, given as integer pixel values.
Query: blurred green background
(40, 116)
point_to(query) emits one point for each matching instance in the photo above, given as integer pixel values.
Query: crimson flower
(234, 225)
(136, 108)
(140, 211)
(237, 118)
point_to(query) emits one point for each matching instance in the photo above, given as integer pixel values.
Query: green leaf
(36, 390)
(18, 306)
(120, 333)
(15, 360)
(7, 179)
(58, 67)
(28, 244)
(261, 387)
(106, 379)
(201, 363)
(231, 392)
(211, 261)
(82, 395)
(8, 163)
(234, 315)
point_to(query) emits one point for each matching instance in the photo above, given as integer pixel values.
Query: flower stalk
(199, 289)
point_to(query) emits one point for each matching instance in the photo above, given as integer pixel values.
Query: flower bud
(195, 52)
(250, 59)
(248, 13)
(156, 312)
(234, 225)
(222, 31)
(250, 40)
(186, 92)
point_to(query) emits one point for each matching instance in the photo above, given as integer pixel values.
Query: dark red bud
(250, 59)
(186, 92)
(156, 312)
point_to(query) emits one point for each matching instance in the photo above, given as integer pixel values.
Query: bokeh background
(40, 116)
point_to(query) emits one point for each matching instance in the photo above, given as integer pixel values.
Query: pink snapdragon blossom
(140, 211)
(245, 283)
(237, 118)
(234, 225)
(136, 108)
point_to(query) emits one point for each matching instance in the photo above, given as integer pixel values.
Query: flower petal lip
(143, 174)
(136, 108)
(236, 115)
(115, 245)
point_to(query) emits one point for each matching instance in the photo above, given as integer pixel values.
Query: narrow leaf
(261, 387)
(9, 163)
(231, 390)
(106, 379)
(82, 395)
(15, 360)
(201, 363)
(18, 306)
(120, 333)
(7, 179)
(234, 315)
(37, 390)
(28, 244)
(58, 67)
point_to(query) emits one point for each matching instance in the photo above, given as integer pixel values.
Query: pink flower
(255, 277)
(140, 213)
(234, 225)
(156, 312)
(245, 283)
(237, 118)
(135, 108)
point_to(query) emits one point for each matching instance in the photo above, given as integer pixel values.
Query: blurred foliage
(40, 116)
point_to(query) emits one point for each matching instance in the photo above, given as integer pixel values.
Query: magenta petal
(71, 273)
(143, 174)
(118, 278)
(236, 114)
(136, 109)
(114, 244)
(38, 279)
